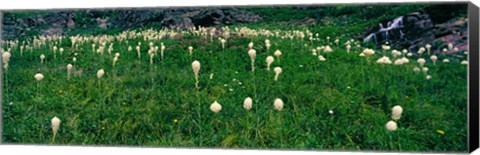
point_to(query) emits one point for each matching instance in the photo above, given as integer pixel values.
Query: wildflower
(278, 53)
(445, 60)
(348, 48)
(409, 54)
(314, 52)
(416, 69)
(384, 60)
(421, 62)
(321, 58)
(55, 126)
(362, 54)
(196, 70)
(428, 77)
(450, 46)
(252, 53)
(190, 49)
(211, 76)
(330, 111)
(278, 104)
(69, 70)
(247, 103)
(100, 73)
(42, 57)
(385, 47)
(215, 107)
(396, 53)
(6, 59)
(138, 51)
(404, 51)
(327, 49)
(391, 126)
(425, 70)
(421, 50)
(434, 59)
(397, 112)
(464, 62)
(38, 76)
(368, 52)
(223, 41)
(269, 60)
(277, 70)
(441, 132)
(61, 51)
(250, 45)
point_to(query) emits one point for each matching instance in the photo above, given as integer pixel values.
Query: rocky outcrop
(63, 22)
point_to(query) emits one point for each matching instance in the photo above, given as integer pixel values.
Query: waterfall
(395, 24)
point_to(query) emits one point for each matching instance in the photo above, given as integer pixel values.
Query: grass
(142, 105)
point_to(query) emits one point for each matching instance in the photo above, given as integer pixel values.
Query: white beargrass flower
(117, 54)
(190, 50)
(115, 59)
(348, 48)
(421, 62)
(362, 54)
(384, 60)
(278, 104)
(428, 46)
(250, 45)
(55, 126)
(445, 50)
(278, 53)
(404, 51)
(269, 60)
(247, 103)
(398, 62)
(54, 51)
(455, 49)
(100, 73)
(138, 51)
(405, 60)
(69, 70)
(464, 62)
(445, 60)
(277, 70)
(416, 69)
(223, 41)
(314, 52)
(196, 71)
(327, 49)
(397, 112)
(42, 58)
(428, 77)
(321, 58)
(396, 53)
(252, 53)
(61, 51)
(385, 47)
(391, 126)
(129, 48)
(434, 59)
(211, 76)
(215, 107)
(368, 52)
(450, 46)
(162, 49)
(425, 70)
(421, 50)
(6, 58)
(409, 54)
(38, 76)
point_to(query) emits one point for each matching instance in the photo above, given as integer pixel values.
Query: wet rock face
(62, 22)
(415, 30)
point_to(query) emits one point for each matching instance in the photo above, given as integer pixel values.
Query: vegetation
(341, 103)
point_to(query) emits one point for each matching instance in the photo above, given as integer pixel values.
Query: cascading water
(384, 31)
